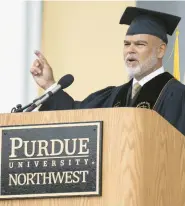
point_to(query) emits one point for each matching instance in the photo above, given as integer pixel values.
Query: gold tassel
(176, 71)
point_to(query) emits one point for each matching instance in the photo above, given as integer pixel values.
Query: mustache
(132, 57)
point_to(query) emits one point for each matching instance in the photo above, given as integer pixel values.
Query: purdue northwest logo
(50, 160)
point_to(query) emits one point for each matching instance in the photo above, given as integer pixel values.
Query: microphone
(63, 83)
(19, 107)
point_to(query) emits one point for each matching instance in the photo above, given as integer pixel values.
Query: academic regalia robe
(164, 94)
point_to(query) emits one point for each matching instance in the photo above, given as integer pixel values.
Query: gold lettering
(86, 160)
(83, 146)
(58, 176)
(47, 178)
(36, 163)
(16, 143)
(26, 148)
(28, 164)
(53, 163)
(11, 164)
(69, 162)
(61, 162)
(38, 179)
(53, 141)
(45, 163)
(68, 177)
(75, 176)
(77, 161)
(30, 177)
(22, 181)
(11, 178)
(67, 146)
(20, 164)
(84, 175)
(42, 147)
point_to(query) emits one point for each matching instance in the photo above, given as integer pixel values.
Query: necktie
(135, 89)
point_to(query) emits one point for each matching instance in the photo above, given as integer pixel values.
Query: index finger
(40, 56)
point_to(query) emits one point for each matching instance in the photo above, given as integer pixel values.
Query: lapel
(151, 91)
(123, 95)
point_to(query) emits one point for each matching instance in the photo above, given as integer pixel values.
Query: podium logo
(51, 160)
(79, 147)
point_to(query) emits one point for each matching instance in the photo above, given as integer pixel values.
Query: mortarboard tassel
(176, 71)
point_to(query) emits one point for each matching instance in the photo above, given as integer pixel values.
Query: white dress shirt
(150, 76)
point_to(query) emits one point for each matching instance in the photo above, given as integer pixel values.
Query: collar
(149, 76)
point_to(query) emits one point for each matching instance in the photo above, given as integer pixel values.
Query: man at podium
(150, 86)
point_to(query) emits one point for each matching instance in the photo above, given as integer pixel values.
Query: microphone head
(66, 81)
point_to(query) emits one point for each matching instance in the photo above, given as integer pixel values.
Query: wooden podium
(143, 161)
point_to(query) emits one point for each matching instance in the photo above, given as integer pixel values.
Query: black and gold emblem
(145, 105)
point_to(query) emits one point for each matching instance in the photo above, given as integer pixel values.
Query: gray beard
(147, 66)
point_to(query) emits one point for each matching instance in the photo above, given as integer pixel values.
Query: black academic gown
(164, 94)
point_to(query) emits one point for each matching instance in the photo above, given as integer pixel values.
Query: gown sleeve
(63, 101)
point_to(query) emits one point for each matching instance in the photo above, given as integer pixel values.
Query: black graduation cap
(144, 21)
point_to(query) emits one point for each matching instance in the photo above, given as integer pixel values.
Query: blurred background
(82, 38)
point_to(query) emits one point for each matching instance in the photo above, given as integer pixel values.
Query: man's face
(140, 54)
